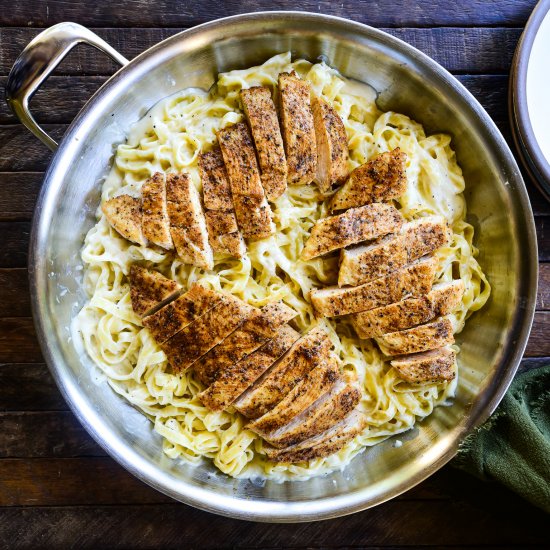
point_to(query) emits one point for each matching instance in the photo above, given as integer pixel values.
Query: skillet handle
(38, 60)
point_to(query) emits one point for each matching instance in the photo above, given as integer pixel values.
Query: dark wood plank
(18, 194)
(51, 482)
(58, 101)
(427, 523)
(171, 13)
(58, 481)
(29, 387)
(543, 237)
(539, 204)
(14, 293)
(539, 342)
(15, 243)
(457, 49)
(543, 295)
(84, 60)
(18, 342)
(44, 434)
(21, 151)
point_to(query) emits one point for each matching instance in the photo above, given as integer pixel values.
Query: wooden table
(57, 487)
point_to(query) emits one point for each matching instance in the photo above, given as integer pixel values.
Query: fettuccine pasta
(169, 139)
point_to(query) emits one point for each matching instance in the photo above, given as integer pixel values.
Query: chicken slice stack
(251, 165)
(288, 385)
(387, 270)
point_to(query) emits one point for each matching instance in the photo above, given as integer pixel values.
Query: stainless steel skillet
(407, 81)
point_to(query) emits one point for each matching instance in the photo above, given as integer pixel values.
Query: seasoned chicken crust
(332, 145)
(381, 179)
(351, 227)
(148, 289)
(261, 114)
(124, 214)
(298, 128)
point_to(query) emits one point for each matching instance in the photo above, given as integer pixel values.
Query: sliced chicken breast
(322, 445)
(216, 189)
(187, 222)
(298, 128)
(327, 411)
(223, 233)
(198, 338)
(155, 222)
(260, 326)
(429, 367)
(124, 215)
(149, 289)
(415, 279)
(355, 225)
(443, 299)
(260, 111)
(432, 335)
(363, 263)
(316, 383)
(176, 315)
(253, 212)
(426, 235)
(381, 179)
(309, 351)
(230, 383)
(332, 145)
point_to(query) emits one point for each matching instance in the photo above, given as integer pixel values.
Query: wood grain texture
(29, 387)
(18, 342)
(539, 340)
(456, 523)
(173, 13)
(58, 482)
(15, 243)
(18, 194)
(15, 300)
(52, 104)
(457, 49)
(543, 294)
(43, 434)
(20, 151)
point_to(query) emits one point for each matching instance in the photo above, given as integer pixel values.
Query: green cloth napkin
(513, 446)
